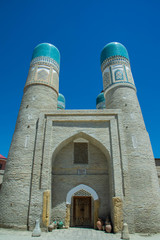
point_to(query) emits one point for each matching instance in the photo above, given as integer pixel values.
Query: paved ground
(71, 234)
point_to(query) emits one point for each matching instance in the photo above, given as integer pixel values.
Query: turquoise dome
(113, 49)
(100, 101)
(61, 101)
(46, 50)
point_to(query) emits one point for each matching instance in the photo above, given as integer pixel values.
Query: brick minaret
(140, 182)
(18, 198)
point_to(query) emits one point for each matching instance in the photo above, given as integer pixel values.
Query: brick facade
(116, 171)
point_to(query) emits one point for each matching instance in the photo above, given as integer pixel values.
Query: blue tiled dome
(61, 101)
(46, 50)
(113, 49)
(100, 101)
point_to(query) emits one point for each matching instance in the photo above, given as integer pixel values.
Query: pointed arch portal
(75, 186)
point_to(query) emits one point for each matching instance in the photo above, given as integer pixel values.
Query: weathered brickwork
(116, 172)
(21, 166)
(141, 167)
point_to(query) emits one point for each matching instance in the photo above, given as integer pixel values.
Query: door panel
(82, 211)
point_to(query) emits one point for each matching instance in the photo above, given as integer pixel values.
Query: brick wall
(65, 177)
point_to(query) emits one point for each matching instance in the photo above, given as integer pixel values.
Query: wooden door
(82, 211)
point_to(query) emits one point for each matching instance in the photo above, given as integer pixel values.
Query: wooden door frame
(90, 209)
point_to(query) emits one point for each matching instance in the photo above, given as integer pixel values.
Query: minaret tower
(40, 94)
(140, 180)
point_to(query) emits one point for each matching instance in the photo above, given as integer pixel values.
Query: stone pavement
(71, 234)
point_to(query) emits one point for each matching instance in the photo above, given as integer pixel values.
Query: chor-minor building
(78, 165)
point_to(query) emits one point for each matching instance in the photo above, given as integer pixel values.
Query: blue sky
(79, 29)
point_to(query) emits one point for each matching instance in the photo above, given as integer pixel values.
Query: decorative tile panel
(31, 74)
(129, 75)
(114, 61)
(45, 61)
(82, 193)
(43, 74)
(119, 73)
(106, 78)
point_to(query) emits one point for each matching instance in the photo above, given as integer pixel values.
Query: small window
(0, 166)
(81, 153)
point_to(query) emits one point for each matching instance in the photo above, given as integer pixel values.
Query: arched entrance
(80, 177)
(83, 204)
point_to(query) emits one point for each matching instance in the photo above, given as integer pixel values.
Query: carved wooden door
(82, 211)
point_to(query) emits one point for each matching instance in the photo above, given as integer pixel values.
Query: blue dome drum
(61, 102)
(115, 66)
(100, 101)
(44, 67)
